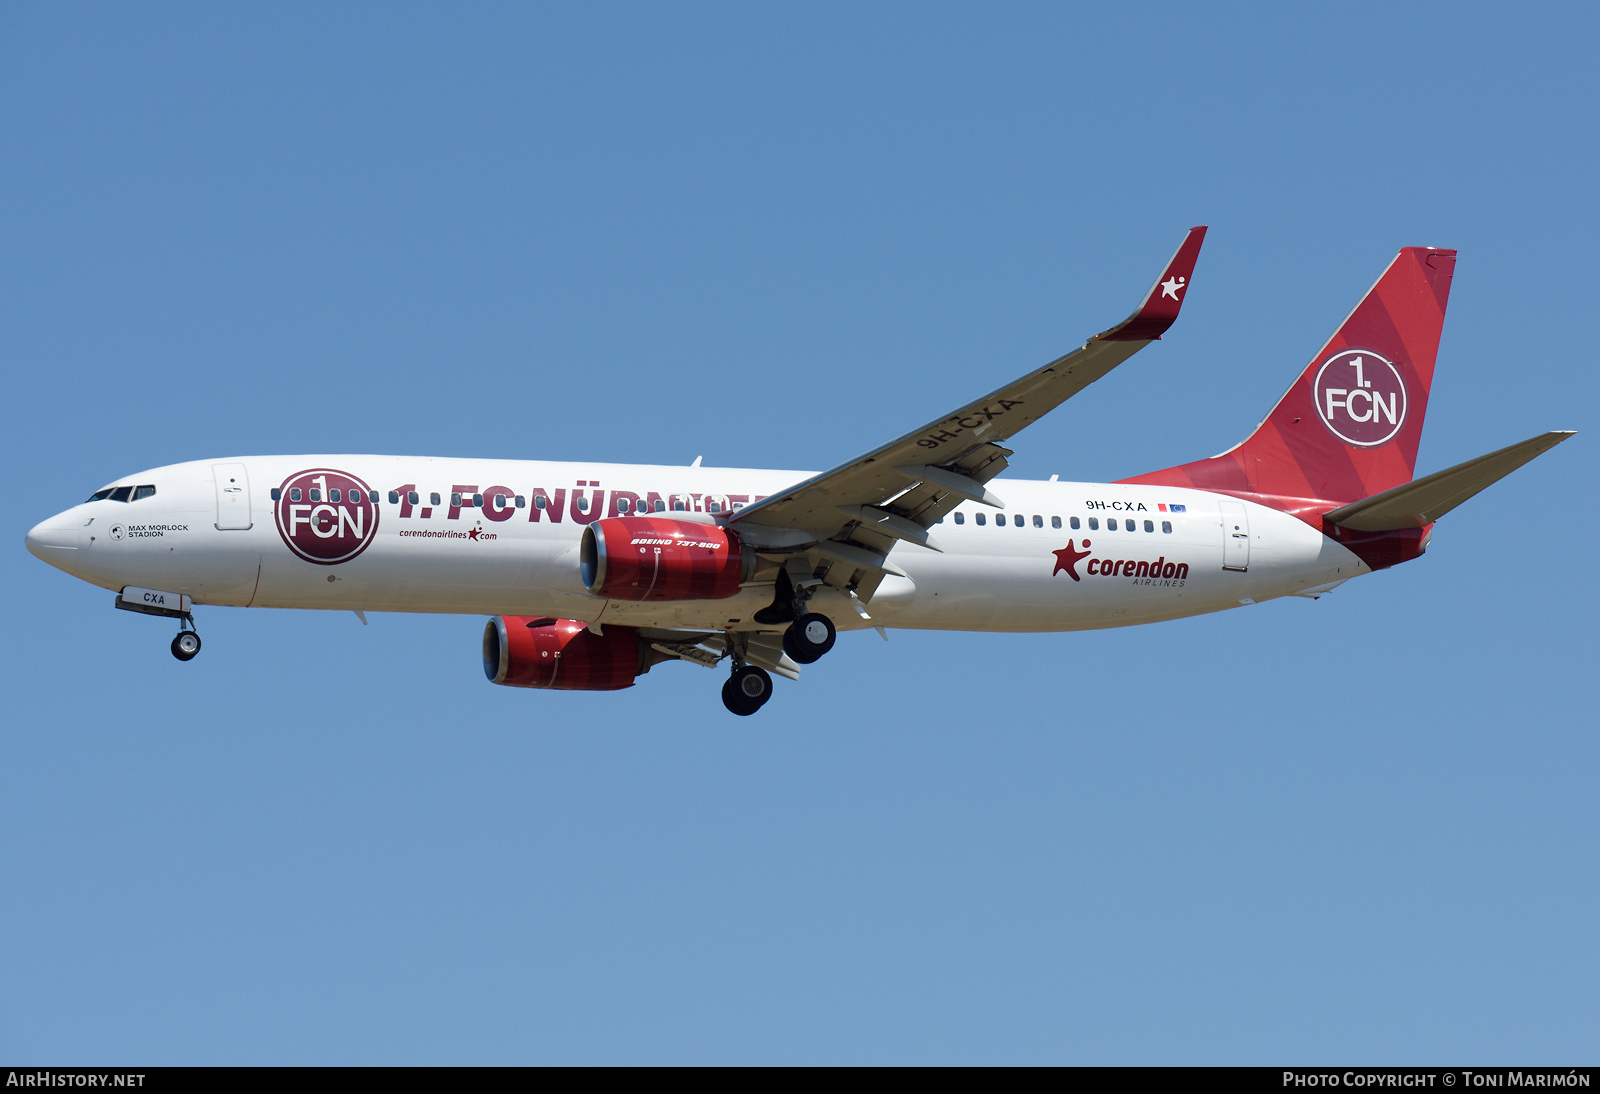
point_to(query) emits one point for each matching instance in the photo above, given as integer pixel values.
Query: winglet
(1159, 308)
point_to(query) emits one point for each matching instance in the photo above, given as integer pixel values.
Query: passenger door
(233, 496)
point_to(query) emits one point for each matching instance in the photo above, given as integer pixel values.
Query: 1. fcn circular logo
(326, 516)
(1360, 397)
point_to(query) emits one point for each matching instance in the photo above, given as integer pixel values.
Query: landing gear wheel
(747, 690)
(809, 637)
(186, 645)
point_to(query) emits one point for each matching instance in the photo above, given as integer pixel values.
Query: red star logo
(472, 534)
(1068, 558)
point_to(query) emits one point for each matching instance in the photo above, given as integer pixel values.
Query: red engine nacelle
(661, 558)
(532, 652)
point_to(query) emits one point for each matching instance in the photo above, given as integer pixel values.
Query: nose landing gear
(187, 643)
(168, 606)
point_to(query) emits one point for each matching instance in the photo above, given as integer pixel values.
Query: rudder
(1349, 426)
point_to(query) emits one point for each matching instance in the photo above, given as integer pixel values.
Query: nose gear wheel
(186, 645)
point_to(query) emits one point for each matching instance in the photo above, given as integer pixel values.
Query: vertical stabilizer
(1348, 428)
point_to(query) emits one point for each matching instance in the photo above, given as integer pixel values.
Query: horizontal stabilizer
(1425, 500)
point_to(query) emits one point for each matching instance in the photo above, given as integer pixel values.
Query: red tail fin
(1348, 428)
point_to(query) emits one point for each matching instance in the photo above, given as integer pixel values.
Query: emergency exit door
(233, 496)
(1235, 536)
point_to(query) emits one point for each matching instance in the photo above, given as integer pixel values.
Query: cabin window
(294, 493)
(522, 502)
(1111, 524)
(979, 518)
(455, 499)
(1038, 521)
(1094, 523)
(316, 493)
(499, 502)
(333, 494)
(1166, 526)
(411, 496)
(1149, 526)
(1074, 522)
(477, 501)
(433, 499)
(141, 492)
(277, 494)
(372, 496)
(583, 504)
(539, 501)
(713, 507)
(394, 497)
(961, 518)
(623, 505)
(661, 506)
(1019, 520)
(1055, 522)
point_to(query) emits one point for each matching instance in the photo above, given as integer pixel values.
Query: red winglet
(1159, 308)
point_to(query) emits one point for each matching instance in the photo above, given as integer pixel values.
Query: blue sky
(1362, 828)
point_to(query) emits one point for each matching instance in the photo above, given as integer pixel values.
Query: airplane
(595, 573)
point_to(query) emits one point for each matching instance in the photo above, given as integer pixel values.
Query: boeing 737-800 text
(595, 572)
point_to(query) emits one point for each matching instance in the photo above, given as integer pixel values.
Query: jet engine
(661, 558)
(539, 652)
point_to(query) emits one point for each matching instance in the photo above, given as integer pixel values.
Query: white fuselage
(517, 558)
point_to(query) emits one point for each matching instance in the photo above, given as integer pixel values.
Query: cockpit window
(121, 493)
(142, 492)
(101, 495)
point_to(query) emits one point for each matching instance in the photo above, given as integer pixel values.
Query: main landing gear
(809, 637)
(747, 690)
(810, 634)
(749, 687)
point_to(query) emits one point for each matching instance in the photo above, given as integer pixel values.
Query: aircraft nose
(55, 541)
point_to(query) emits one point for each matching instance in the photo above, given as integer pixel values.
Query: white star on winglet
(1172, 286)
